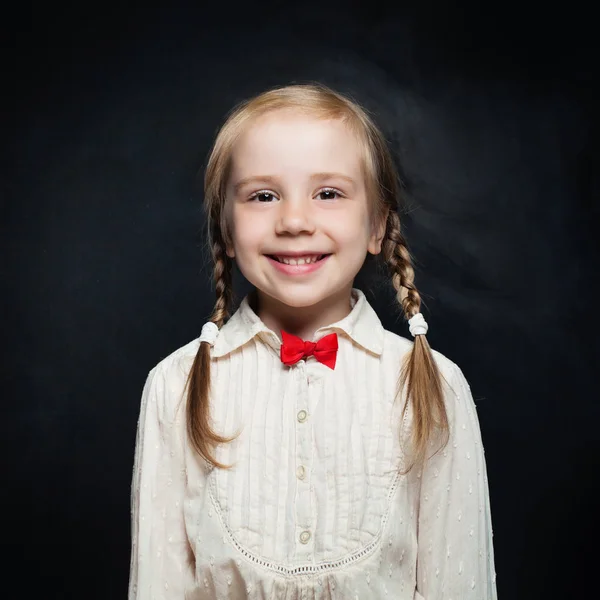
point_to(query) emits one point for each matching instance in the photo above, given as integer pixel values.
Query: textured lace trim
(308, 568)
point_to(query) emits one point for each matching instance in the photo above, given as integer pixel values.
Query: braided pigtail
(200, 433)
(419, 371)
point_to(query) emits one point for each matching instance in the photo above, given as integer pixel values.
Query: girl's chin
(305, 296)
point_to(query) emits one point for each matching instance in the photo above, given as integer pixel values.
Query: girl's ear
(378, 234)
(230, 252)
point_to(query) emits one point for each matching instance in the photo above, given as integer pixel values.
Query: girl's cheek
(348, 229)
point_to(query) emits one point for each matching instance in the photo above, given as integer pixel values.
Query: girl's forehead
(293, 140)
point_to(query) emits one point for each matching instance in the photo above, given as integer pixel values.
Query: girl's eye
(266, 196)
(262, 196)
(330, 193)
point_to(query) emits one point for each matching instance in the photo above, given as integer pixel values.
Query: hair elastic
(209, 333)
(418, 325)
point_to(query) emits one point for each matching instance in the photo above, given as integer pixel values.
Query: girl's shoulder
(455, 387)
(168, 377)
(178, 363)
(397, 347)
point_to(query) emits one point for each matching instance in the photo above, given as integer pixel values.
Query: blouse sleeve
(162, 563)
(455, 557)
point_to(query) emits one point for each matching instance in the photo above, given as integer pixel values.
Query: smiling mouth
(299, 260)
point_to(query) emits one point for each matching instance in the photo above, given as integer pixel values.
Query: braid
(399, 261)
(200, 432)
(222, 277)
(419, 372)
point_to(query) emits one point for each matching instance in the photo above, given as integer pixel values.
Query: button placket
(304, 435)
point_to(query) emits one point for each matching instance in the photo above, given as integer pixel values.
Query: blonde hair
(418, 373)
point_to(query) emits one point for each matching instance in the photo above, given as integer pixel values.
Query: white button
(304, 537)
(300, 472)
(302, 414)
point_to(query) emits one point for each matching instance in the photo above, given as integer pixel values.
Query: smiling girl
(298, 449)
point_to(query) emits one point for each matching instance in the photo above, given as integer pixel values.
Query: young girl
(298, 450)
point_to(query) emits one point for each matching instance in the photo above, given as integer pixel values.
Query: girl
(298, 449)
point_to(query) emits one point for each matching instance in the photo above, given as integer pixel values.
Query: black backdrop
(109, 114)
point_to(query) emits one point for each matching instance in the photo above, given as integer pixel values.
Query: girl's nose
(295, 216)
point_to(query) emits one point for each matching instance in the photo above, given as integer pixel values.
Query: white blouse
(313, 507)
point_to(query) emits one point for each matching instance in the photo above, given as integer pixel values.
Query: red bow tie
(294, 348)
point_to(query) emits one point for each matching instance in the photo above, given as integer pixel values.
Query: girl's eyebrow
(273, 179)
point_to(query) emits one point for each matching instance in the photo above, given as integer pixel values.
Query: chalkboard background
(109, 113)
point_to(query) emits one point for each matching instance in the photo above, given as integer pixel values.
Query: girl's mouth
(298, 260)
(299, 265)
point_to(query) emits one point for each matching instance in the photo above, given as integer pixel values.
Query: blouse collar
(362, 325)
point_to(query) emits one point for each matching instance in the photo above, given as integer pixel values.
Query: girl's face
(296, 188)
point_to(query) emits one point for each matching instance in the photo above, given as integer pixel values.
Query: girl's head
(297, 186)
(304, 169)
(300, 169)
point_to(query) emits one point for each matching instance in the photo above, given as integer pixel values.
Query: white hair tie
(209, 333)
(418, 325)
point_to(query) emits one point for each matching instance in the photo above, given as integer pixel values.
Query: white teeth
(305, 260)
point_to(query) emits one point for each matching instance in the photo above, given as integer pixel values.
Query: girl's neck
(301, 321)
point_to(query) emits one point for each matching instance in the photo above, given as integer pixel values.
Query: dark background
(108, 115)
